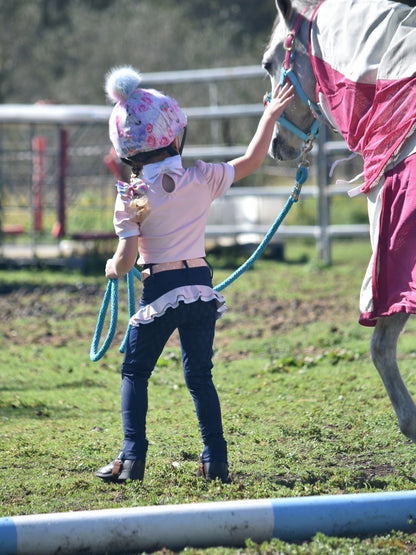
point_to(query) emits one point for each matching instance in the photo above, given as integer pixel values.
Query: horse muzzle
(282, 150)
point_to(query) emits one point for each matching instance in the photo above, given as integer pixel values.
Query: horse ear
(284, 7)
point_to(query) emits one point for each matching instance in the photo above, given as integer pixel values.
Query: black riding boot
(122, 469)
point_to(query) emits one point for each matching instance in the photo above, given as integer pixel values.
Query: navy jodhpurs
(196, 325)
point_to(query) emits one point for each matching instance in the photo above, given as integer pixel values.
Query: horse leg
(383, 353)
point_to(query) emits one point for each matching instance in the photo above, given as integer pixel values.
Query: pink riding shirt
(174, 228)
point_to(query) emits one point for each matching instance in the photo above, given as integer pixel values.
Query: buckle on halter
(290, 41)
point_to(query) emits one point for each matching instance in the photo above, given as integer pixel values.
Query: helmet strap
(182, 144)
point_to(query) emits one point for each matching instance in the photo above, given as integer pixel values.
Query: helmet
(142, 120)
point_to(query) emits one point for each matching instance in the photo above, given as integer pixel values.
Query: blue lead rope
(301, 176)
(111, 293)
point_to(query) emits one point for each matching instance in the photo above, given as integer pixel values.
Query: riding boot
(213, 470)
(122, 469)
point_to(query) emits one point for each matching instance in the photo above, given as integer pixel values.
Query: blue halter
(287, 73)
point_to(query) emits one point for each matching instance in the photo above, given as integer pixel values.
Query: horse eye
(267, 66)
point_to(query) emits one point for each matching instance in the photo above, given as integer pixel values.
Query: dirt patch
(57, 302)
(29, 314)
(258, 316)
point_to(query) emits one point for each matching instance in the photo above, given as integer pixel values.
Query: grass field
(304, 411)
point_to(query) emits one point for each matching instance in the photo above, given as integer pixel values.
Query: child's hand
(110, 271)
(281, 98)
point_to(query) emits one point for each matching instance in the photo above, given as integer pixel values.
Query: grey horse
(358, 75)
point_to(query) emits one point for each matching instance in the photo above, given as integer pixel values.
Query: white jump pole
(227, 523)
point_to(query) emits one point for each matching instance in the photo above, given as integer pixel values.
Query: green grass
(304, 411)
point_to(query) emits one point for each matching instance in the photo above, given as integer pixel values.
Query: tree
(61, 51)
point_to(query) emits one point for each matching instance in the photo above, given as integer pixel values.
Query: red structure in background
(116, 166)
(113, 163)
(38, 180)
(59, 228)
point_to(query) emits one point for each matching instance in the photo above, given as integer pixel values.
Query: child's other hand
(110, 271)
(282, 97)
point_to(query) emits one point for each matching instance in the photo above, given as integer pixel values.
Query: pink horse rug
(363, 55)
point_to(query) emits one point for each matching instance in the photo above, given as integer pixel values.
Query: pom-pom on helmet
(142, 120)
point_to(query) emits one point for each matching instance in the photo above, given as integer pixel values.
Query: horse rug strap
(363, 57)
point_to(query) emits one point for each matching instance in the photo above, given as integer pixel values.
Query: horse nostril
(281, 150)
(274, 150)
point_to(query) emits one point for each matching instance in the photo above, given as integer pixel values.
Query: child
(163, 213)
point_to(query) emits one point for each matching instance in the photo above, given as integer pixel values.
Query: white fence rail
(235, 222)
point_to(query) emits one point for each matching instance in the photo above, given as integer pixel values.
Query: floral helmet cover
(142, 119)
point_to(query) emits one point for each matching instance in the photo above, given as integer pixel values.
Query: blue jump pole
(227, 523)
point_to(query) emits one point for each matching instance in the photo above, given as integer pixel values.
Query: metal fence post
(213, 102)
(324, 241)
(1, 188)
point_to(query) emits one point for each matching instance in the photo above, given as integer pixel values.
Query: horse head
(285, 144)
